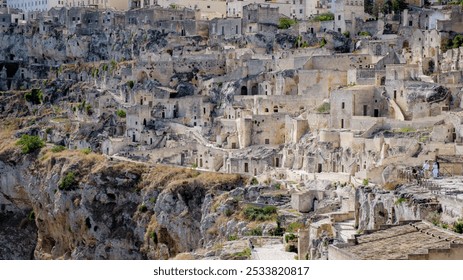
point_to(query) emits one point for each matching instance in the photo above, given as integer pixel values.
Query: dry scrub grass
(173, 177)
(7, 141)
(390, 186)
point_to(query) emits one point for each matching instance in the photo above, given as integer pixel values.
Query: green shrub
(293, 227)
(142, 208)
(30, 143)
(95, 72)
(86, 151)
(232, 237)
(365, 182)
(254, 181)
(324, 17)
(290, 237)
(35, 96)
(456, 42)
(245, 253)
(153, 200)
(228, 212)
(285, 23)
(31, 216)
(58, 148)
(346, 34)
(324, 108)
(113, 65)
(458, 226)
(105, 67)
(68, 181)
(434, 217)
(278, 231)
(364, 33)
(260, 214)
(81, 106)
(277, 186)
(400, 201)
(257, 231)
(88, 109)
(121, 113)
(130, 84)
(406, 129)
(322, 42)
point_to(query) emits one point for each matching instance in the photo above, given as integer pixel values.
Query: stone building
(228, 27)
(352, 104)
(32, 6)
(121, 5)
(260, 18)
(207, 9)
(152, 15)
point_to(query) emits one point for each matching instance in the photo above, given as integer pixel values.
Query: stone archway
(244, 90)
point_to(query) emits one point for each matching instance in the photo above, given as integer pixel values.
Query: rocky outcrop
(375, 206)
(110, 210)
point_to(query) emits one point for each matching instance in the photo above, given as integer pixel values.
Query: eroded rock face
(113, 210)
(376, 207)
(19, 235)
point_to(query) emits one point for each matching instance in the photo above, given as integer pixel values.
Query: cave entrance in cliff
(393, 219)
(376, 113)
(254, 90)
(405, 45)
(320, 168)
(314, 204)
(244, 90)
(277, 162)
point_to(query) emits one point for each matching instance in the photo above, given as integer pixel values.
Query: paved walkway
(271, 252)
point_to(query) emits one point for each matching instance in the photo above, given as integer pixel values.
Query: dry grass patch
(173, 177)
(390, 186)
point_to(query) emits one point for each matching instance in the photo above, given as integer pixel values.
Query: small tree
(68, 181)
(30, 143)
(35, 96)
(285, 23)
(121, 113)
(458, 226)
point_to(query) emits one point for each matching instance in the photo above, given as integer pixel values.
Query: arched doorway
(244, 90)
(254, 90)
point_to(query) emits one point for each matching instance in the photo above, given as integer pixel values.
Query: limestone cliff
(111, 210)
